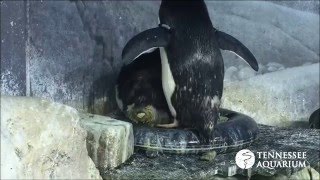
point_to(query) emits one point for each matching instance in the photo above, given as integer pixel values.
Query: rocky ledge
(271, 139)
(47, 140)
(42, 140)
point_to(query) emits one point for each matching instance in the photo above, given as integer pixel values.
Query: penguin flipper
(230, 43)
(145, 42)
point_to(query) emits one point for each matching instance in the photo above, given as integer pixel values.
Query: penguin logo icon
(245, 159)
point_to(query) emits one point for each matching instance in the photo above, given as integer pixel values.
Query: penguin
(192, 68)
(139, 93)
(141, 98)
(314, 120)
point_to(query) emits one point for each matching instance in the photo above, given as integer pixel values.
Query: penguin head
(140, 97)
(140, 87)
(176, 12)
(145, 99)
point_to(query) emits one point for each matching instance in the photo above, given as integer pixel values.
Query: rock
(82, 75)
(262, 69)
(70, 51)
(273, 66)
(306, 64)
(230, 74)
(289, 36)
(109, 141)
(209, 156)
(282, 98)
(246, 73)
(308, 6)
(13, 64)
(306, 173)
(271, 139)
(9, 160)
(42, 140)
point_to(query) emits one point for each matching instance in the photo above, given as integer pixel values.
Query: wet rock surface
(109, 141)
(281, 98)
(171, 166)
(42, 140)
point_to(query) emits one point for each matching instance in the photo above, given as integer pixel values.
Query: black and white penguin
(192, 67)
(139, 91)
(314, 120)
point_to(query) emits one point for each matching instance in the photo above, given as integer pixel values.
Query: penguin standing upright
(192, 67)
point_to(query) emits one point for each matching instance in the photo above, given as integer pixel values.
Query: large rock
(306, 173)
(109, 141)
(280, 98)
(42, 140)
(75, 52)
(272, 32)
(13, 55)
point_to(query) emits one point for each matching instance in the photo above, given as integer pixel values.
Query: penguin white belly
(168, 83)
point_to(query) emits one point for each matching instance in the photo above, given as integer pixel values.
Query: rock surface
(306, 173)
(288, 37)
(109, 141)
(70, 51)
(42, 140)
(170, 166)
(281, 98)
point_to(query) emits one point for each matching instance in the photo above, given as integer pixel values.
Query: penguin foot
(171, 125)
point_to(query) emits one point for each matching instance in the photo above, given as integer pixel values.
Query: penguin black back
(196, 64)
(187, 12)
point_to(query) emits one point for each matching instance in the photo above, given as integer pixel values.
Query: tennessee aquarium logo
(245, 159)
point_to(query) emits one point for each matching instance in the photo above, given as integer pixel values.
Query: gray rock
(209, 156)
(306, 173)
(170, 166)
(246, 73)
(59, 54)
(262, 69)
(273, 66)
(289, 36)
(306, 64)
(282, 98)
(75, 52)
(231, 74)
(42, 140)
(13, 55)
(70, 51)
(308, 6)
(109, 141)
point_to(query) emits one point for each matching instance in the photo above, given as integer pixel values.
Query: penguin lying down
(173, 78)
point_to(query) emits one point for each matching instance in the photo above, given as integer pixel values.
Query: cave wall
(70, 51)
